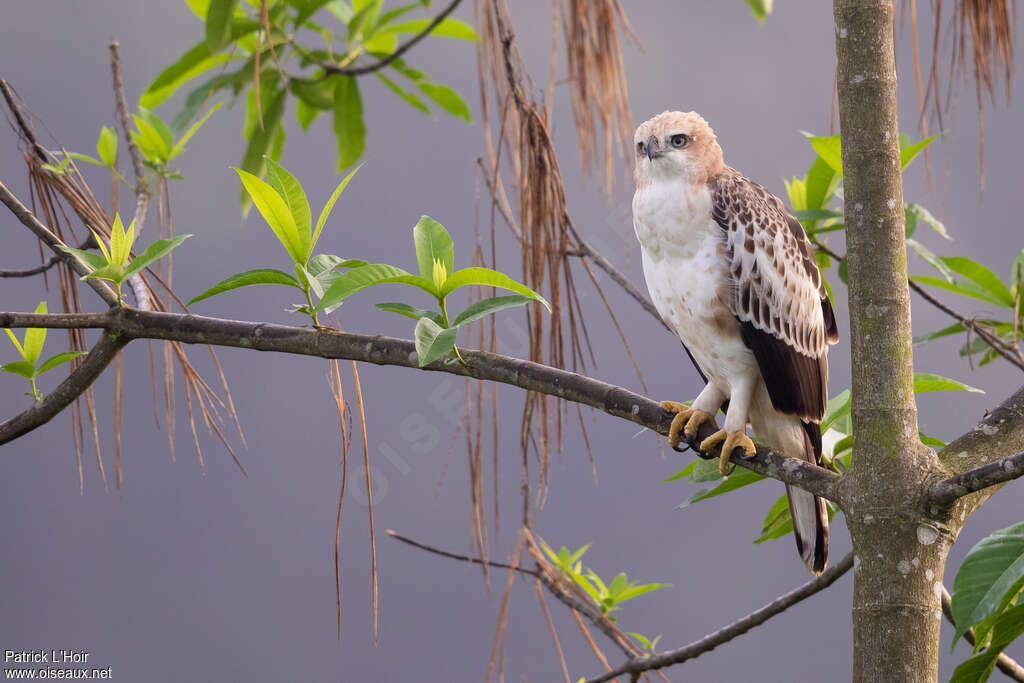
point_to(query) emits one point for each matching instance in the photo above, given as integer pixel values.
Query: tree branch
(737, 628)
(974, 458)
(1004, 662)
(29, 220)
(78, 381)
(948, 491)
(325, 343)
(399, 51)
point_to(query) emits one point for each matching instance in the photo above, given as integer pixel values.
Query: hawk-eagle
(732, 272)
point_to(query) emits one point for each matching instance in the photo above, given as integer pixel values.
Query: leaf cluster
(114, 263)
(298, 52)
(607, 596)
(987, 596)
(31, 348)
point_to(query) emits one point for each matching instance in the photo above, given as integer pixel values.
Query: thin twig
(456, 556)
(399, 51)
(1004, 662)
(737, 628)
(142, 191)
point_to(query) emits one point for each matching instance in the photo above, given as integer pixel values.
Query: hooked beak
(652, 148)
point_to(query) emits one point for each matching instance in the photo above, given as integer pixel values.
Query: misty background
(205, 575)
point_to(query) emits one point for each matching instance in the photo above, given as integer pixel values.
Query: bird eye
(679, 140)
(640, 148)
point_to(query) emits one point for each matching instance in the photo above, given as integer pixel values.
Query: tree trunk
(899, 551)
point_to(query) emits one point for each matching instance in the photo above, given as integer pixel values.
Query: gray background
(206, 576)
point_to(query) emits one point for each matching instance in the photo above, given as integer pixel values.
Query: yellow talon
(686, 420)
(733, 440)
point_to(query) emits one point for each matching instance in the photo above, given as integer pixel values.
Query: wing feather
(779, 297)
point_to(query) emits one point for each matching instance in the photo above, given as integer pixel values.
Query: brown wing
(779, 298)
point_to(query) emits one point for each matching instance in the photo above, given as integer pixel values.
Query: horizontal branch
(326, 343)
(948, 491)
(736, 628)
(80, 379)
(29, 272)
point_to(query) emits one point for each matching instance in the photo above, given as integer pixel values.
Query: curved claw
(733, 440)
(687, 421)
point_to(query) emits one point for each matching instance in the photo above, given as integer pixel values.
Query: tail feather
(810, 517)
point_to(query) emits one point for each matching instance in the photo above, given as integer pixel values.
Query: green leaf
(161, 128)
(817, 214)
(80, 157)
(964, 288)
(329, 206)
(35, 337)
(290, 190)
(305, 115)
(777, 523)
(58, 359)
(20, 367)
(276, 213)
(259, 276)
(1017, 272)
(448, 28)
(433, 342)
(485, 276)
(259, 142)
(982, 276)
(149, 140)
(91, 259)
(411, 311)
(433, 243)
(944, 332)
(408, 97)
(360, 278)
(448, 99)
(218, 23)
(926, 381)
(916, 212)
(485, 307)
(179, 146)
(318, 94)
(1006, 627)
(685, 472)
(106, 146)
(349, 128)
(931, 259)
(705, 471)
(153, 252)
(739, 478)
(197, 60)
(14, 340)
(909, 152)
(820, 185)
(829, 149)
(121, 241)
(760, 9)
(838, 408)
(992, 568)
(111, 272)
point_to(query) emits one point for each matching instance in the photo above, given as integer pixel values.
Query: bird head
(676, 145)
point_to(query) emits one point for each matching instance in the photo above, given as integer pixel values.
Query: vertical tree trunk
(899, 553)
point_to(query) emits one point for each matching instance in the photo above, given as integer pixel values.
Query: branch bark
(733, 630)
(129, 323)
